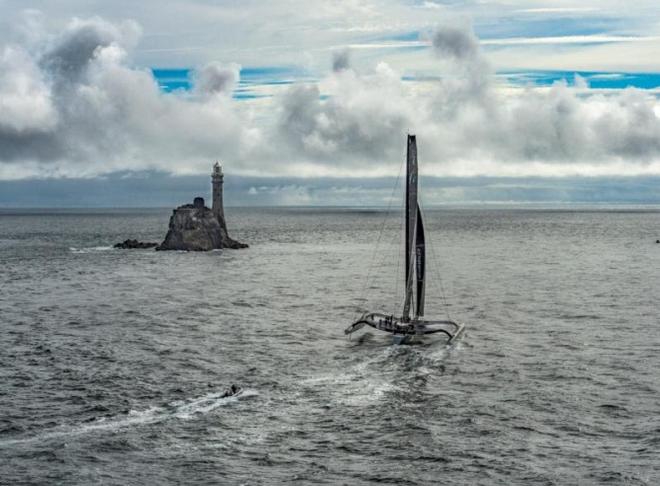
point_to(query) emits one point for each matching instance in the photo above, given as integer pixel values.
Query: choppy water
(112, 362)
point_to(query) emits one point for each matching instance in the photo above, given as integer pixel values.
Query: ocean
(113, 362)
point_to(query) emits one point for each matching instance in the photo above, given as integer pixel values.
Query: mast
(411, 220)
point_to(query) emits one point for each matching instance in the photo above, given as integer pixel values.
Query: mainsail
(414, 242)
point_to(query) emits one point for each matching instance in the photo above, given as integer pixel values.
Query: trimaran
(411, 326)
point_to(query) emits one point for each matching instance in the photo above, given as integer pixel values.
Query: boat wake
(384, 373)
(355, 387)
(180, 409)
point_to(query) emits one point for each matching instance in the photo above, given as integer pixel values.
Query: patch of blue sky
(251, 78)
(249, 96)
(272, 75)
(596, 80)
(276, 82)
(269, 71)
(170, 73)
(172, 79)
(169, 86)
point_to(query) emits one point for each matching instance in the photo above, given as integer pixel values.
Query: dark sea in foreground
(112, 362)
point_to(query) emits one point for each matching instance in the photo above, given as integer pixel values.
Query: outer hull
(407, 332)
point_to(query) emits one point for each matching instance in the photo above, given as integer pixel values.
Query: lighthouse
(194, 227)
(217, 179)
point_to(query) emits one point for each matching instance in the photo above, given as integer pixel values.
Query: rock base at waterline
(194, 227)
(135, 244)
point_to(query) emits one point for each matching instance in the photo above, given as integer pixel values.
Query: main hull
(407, 332)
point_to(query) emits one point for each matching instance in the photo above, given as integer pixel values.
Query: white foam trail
(179, 410)
(354, 388)
(90, 249)
(355, 384)
(208, 403)
(366, 393)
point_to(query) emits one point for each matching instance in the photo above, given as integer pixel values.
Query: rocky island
(134, 244)
(195, 227)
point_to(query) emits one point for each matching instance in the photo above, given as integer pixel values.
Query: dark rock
(657, 241)
(135, 244)
(194, 227)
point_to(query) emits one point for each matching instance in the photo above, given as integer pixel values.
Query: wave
(180, 409)
(5, 242)
(90, 249)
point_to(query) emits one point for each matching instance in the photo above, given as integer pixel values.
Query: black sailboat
(411, 325)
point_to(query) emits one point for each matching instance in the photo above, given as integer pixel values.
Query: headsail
(411, 220)
(420, 264)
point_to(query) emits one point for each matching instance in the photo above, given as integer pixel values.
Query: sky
(309, 102)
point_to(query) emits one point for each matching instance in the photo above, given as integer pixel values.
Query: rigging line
(381, 263)
(440, 282)
(413, 270)
(411, 277)
(401, 238)
(386, 260)
(380, 234)
(435, 268)
(435, 265)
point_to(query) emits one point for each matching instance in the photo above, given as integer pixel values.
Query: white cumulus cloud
(72, 104)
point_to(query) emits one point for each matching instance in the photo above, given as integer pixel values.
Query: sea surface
(113, 362)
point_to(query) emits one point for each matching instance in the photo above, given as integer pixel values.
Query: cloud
(456, 42)
(81, 42)
(467, 124)
(26, 104)
(341, 60)
(352, 125)
(73, 105)
(217, 78)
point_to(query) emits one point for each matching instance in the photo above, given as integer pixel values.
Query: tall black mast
(411, 219)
